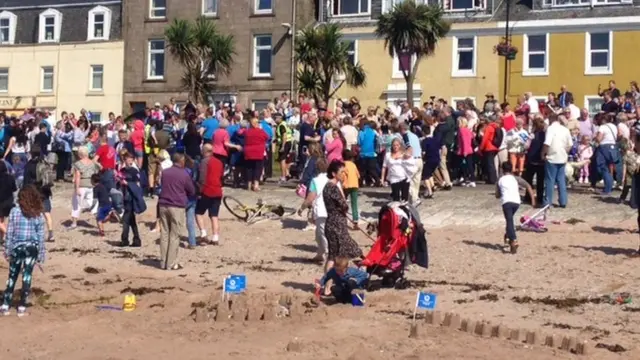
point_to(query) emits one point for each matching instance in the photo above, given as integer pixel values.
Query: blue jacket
(309, 171)
(268, 129)
(359, 276)
(133, 194)
(367, 142)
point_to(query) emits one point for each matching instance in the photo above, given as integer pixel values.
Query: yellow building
(463, 66)
(581, 53)
(67, 77)
(65, 56)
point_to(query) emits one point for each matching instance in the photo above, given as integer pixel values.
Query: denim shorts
(138, 153)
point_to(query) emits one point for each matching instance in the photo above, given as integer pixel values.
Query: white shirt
(609, 134)
(293, 120)
(317, 184)
(624, 131)
(165, 164)
(350, 134)
(558, 139)
(398, 169)
(509, 189)
(534, 107)
(503, 144)
(575, 111)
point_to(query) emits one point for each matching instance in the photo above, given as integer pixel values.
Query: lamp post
(506, 58)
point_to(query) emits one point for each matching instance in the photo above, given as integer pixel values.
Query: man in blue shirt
(209, 126)
(367, 139)
(412, 143)
(307, 136)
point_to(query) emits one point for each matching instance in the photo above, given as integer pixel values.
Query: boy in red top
(489, 150)
(255, 144)
(211, 197)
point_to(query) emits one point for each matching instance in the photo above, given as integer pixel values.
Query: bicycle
(253, 214)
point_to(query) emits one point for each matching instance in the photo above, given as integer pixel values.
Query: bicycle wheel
(235, 207)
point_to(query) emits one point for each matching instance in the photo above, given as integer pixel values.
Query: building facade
(262, 30)
(463, 65)
(582, 44)
(578, 43)
(61, 56)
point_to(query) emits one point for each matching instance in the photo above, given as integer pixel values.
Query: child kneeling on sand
(341, 280)
(508, 191)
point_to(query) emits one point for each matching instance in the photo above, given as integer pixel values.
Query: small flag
(424, 300)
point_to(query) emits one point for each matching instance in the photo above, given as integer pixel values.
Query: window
(598, 57)
(351, 7)
(593, 104)
(352, 52)
(158, 9)
(210, 7)
(387, 5)
(463, 5)
(262, 56)
(96, 117)
(8, 23)
(259, 105)
(535, 61)
(464, 57)
(567, 3)
(263, 6)
(456, 99)
(49, 26)
(99, 23)
(137, 106)
(46, 84)
(97, 78)
(4, 79)
(398, 65)
(155, 65)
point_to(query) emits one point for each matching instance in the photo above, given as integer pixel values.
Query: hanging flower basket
(506, 49)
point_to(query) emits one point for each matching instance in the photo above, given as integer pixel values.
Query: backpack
(498, 137)
(44, 174)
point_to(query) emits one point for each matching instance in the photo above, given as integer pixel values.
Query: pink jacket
(334, 150)
(465, 146)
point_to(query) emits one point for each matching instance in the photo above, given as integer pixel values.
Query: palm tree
(203, 52)
(412, 30)
(323, 57)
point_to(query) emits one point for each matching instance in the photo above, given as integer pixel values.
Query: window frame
(360, 13)
(355, 57)
(153, 8)
(255, 69)
(526, 69)
(588, 68)
(255, 101)
(204, 8)
(2, 71)
(455, 99)
(263, 11)
(106, 24)
(13, 20)
(447, 6)
(455, 71)
(57, 25)
(396, 73)
(43, 71)
(151, 52)
(94, 115)
(92, 72)
(552, 3)
(387, 5)
(587, 98)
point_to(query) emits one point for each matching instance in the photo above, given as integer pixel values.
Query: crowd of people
(185, 155)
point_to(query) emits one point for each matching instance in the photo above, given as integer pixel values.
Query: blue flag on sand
(426, 300)
(234, 284)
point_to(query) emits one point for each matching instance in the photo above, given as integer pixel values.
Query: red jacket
(487, 139)
(212, 186)
(255, 143)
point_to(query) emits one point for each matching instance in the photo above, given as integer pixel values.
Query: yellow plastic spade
(129, 302)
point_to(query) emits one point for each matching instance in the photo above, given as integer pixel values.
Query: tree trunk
(410, 80)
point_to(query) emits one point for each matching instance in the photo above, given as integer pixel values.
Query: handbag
(301, 191)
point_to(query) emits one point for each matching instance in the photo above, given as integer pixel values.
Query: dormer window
(49, 26)
(463, 5)
(8, 23)
(99, 23)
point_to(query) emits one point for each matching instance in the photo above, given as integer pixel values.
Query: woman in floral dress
(336, 229)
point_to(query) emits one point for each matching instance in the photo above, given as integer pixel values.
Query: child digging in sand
(341, 280)
(508, 191)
